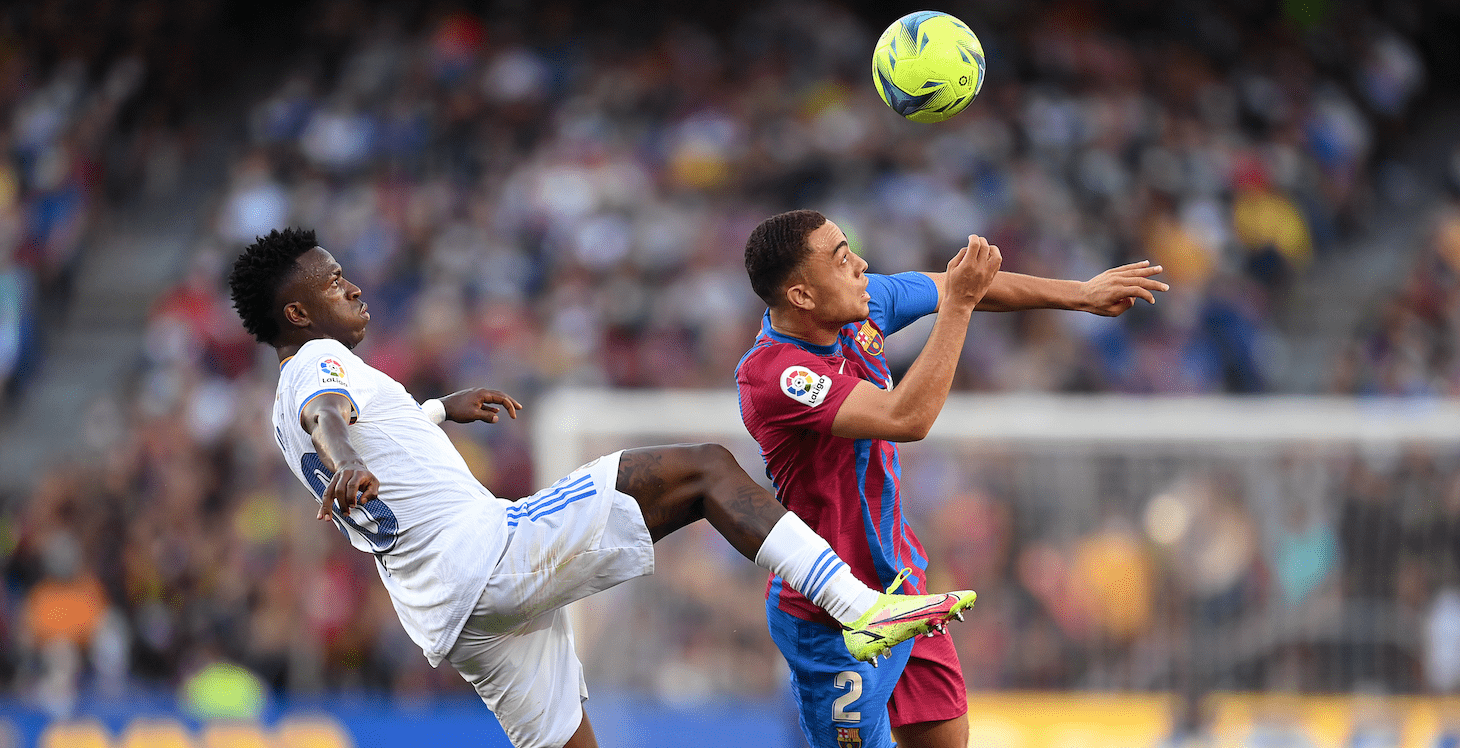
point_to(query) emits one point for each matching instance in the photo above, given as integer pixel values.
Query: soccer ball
(927, 66)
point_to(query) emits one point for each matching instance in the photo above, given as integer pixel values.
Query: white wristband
(434, 410)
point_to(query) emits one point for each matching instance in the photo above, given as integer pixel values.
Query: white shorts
(577, 537)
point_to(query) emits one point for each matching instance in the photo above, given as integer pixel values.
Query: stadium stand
(565, 202)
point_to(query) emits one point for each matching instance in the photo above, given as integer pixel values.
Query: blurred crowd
(1315, 569)
(96, 101)
(1407, 345)
(565, 201)
(595, 191)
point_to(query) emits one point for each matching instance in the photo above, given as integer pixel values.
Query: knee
(714, 459)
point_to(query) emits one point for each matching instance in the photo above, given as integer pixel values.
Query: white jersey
(436, 533)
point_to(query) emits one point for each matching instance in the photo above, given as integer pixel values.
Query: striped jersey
(435, 532)
(847, 490)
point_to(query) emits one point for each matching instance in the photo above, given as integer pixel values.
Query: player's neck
(287, 352)
(289, 348)
(802, 326)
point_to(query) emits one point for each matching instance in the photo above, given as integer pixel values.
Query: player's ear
(799, 297)
(295, 315)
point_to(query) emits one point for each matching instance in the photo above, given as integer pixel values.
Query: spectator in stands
(536, 211)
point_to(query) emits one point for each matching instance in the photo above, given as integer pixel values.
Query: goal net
(1171, 545)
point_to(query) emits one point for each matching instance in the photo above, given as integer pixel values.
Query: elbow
(911, 430)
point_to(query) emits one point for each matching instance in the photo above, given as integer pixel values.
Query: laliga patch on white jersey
(331, 371)
(805, 386)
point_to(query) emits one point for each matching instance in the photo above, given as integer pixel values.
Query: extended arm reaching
(1108, 294)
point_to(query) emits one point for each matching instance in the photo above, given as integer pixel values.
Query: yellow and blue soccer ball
(928, 66)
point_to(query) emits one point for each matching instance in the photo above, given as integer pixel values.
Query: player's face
(331, 303)
(834, 277)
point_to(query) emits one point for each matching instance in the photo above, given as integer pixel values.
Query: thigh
(570, 540)
(680, 484)
(668, 482)
(584, 737)
(840, 700)
(949, 733)
(530, 678)
(931, 688)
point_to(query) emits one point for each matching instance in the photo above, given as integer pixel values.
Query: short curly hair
(259, 273)
(775, 248)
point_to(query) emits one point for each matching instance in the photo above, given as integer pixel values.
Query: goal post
(1183, 544)
(569, 420)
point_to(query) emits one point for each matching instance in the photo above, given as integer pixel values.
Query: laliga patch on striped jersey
(331, 371)
(805, 387)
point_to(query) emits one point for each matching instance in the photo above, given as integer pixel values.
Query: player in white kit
(479, 581)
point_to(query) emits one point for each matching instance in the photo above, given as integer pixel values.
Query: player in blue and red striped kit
(818, 396)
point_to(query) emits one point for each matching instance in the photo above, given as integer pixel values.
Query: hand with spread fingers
(1112, 292)
(478, 404)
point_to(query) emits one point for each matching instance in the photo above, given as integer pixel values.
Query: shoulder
(878, 282)
(326, 347)
(757, 368)
(898, 300)
(325, 363)
(900, 282)
(756, 356)
(772, 356)
(783, 370)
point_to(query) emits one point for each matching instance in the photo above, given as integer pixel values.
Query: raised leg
(679, 484)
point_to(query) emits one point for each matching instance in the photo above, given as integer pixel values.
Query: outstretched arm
(1108, 294)
(906, 412)
(326, 419)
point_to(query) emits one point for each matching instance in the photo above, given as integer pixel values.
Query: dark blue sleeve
(899, 300)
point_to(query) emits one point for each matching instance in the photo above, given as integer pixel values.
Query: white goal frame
(568, 418)
(1061, 432)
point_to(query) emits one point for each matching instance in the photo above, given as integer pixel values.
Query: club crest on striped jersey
(870, 339)
(805, 386)
(331, 371)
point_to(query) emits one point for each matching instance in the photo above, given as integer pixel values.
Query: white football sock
(803, 559)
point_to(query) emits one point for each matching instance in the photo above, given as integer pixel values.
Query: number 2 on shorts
(852, 681)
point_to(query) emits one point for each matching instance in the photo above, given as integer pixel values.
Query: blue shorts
(842, 701)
